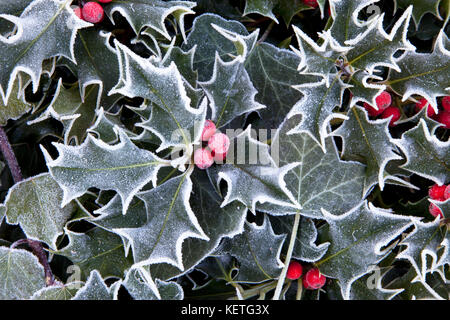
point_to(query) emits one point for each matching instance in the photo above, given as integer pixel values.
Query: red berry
(311, 3)
(314, 279)
(93, 12)
(219, 143)
(393, 112)
(219, 157)
(208, 130)
(435, 211)
(77, 11)
(444, 118)
(437, 192)
(104, 1)
(383, 100)
(447, 192)
(446, 103)
(294, 271)
(203, 158)
(372, 111)
(422, 103)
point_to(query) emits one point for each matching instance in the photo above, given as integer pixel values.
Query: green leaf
(21, 274)
(420, 8)
(99, 250)
(362, 90)
(104, 127)
(262, 7)
(289, 8)
(58, 292)
(96, 289)
(369, 142)
(123, 167)
(169, 223)
(257, 263)
(51, 35)
(17, 106)
(34, 203)
(11, 7)
(341, 183)
(426, 155)
(424, 74)
(172, 111)
(356, 242)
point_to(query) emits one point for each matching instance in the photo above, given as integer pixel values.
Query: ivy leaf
(96, 289)
(122, 167)
(151, 13)
(257, 262)
(424, 240)
(321, 180)
(424, 74)
(370, 142)
(58, 292)
(53, 34)
(426, 155)
(2, 210)
(356, 242)
(262, 7)
(317, 106)
(17, 106)
(346, 25)
(252, 176)
(140, 286)
(168, 224)
(21, 274)
(375, 47)
(34, 203)
(171, 112)
(420, 8)
(99, 250)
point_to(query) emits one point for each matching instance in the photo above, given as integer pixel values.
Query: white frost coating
(147, 278)
(94, 288)
(163, 255)
(355, 20)
(380, 87)
(428, 288)
(244, 43)
(27, 26)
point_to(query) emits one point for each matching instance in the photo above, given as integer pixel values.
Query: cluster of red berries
(91, 11)
(312, 280)
(439, 193)
(218, 145)
(444, 114)
(385, 108)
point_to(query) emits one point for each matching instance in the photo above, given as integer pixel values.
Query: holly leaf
(262, 7)
(420, 8)
(172, 112)
(104, 127)
(53, 34)
(94, 164)
(321, 180)
(369, 142)
(168, 224)
(356, 242)
(424, 74)
(34, 203)
(11, 7)
(95, 288)
(21, 274)
(257, 263)
(364, 91)
(425, 155)
(17, 105)
(287, 9)
(97, 249)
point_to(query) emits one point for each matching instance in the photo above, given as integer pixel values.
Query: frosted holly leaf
(217, 222)
(252, 176)
(77, 113)
(105, 124)
(431, 123)
(2, 207)
(58, 291)
(426, 155)
(53, 34)
(34, 203)
(95, 288)
(184, 61)
(17, 106)
(374, 47)
(207, 41)
(369, 142)
(123, 168)
(305, 248)
(346, 25)
(170, 220)
(423, 74)
(151, 13)
(96, 63)
(21, 274)
(11, 7)
(445, 255)
(420, 8)
(356, 242)
(364, 91)
(172, 112)
(444, 206)
(423, 241)
(321, 180)
(97, 249)
(141, 286)
(257, 263)
(369, 287)
(262, 7)
(289, 8)
(316, 107)
(318, 60)
(230, 90)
